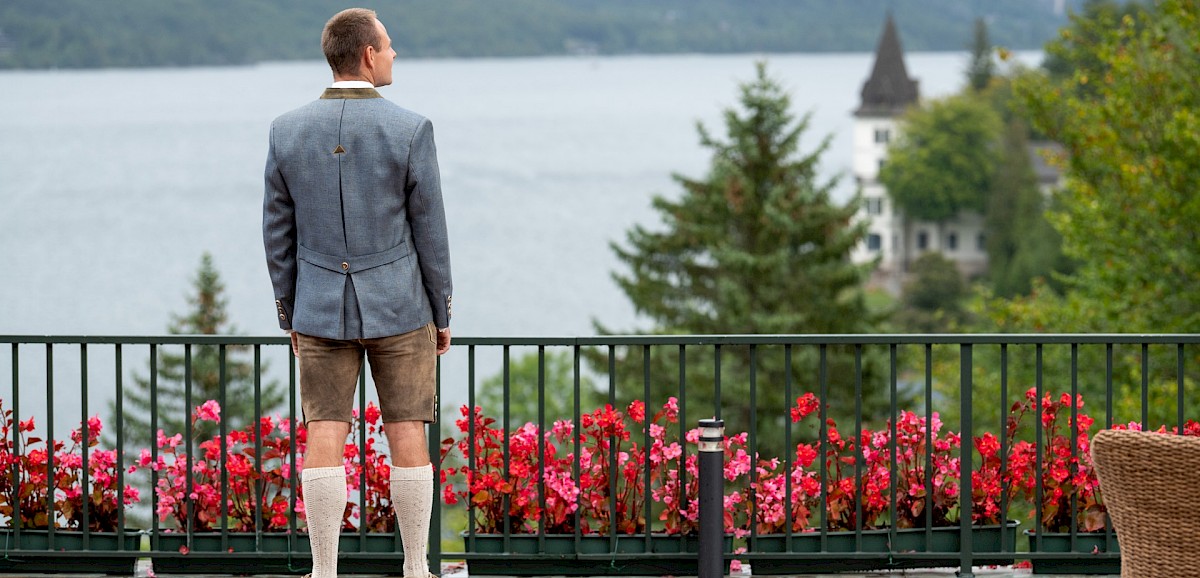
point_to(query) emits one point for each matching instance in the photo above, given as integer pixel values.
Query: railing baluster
(1110, 540)
(1003, 434)
(507, 457)
(1146, 388)
(1038, 446)
(823, 436)
(576, 437)
(893, 403)
(187, 441)
(612, 455)
(929, 473)
(541, 444)
(471, 445)
(154, 446)
(362, 456)
(788, 449)
(753, 443)
(1179, 388)
(16, 439)
(717, 381)
(84, 435)
(859, 456)
(119, 380)
(1073, 469)
(646, 413)
(258, 434)
(50, 512)
(683, 421)
(964, 486)
(224, 445)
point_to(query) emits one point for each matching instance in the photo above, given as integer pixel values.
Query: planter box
(985, 544)
(595, 555)
(273, 553)
(105, 552)
(1086, 544)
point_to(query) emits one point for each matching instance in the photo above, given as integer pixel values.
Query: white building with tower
(892, 238)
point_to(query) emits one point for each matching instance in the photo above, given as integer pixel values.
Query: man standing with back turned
(356, 244)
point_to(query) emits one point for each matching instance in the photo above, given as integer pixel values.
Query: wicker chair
(1151, 486)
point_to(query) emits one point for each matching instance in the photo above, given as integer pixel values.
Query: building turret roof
(889, 90)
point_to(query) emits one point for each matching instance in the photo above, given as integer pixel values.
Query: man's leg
(324, 481)
(412, 492)
(328, 375)
(405, 371)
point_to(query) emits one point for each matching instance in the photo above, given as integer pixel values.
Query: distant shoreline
(85, 35)
(1019, 54)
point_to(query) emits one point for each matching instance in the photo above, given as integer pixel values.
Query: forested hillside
(86, 33)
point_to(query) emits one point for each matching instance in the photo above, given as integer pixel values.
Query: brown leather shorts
(404, 368)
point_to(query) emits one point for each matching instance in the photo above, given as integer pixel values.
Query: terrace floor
(459, 570)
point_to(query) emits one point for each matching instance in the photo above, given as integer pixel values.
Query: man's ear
(368, 59)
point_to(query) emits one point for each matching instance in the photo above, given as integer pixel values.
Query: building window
(922, 241)
(952, 241)
(883, 135)
(874, 242)
(982, 242)
(874, 206)
(881, 162)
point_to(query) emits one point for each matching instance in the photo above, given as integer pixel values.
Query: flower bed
(858, 485)
(527, 481)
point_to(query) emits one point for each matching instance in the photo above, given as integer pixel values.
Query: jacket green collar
(352, 93)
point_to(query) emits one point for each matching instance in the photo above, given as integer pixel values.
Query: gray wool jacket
(353, 221)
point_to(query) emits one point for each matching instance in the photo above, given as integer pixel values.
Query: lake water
(114, 182)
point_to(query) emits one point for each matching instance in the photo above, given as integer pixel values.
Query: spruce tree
(757, 246)
(207, 316)
(982, 67)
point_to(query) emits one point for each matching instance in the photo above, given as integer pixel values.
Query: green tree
(757, 246)
(982, 66)
(206, 317)
(1129, 213)
(943, 161)
(1076, 48)
(933, 296)
(1021, 243)
(1128, 117)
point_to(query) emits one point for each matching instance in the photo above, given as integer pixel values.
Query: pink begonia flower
(209, 411)
(735, 566)
(169, 442)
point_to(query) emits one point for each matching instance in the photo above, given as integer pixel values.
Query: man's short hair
(345, 36)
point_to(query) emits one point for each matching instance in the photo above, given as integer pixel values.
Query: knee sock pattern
(412, 497)
(324, 505)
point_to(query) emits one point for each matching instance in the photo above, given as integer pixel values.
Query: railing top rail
(605, 340)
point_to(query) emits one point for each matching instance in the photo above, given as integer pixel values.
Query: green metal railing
(959, 375)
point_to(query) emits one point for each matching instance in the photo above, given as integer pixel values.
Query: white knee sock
(324, 505)
(412, 498)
